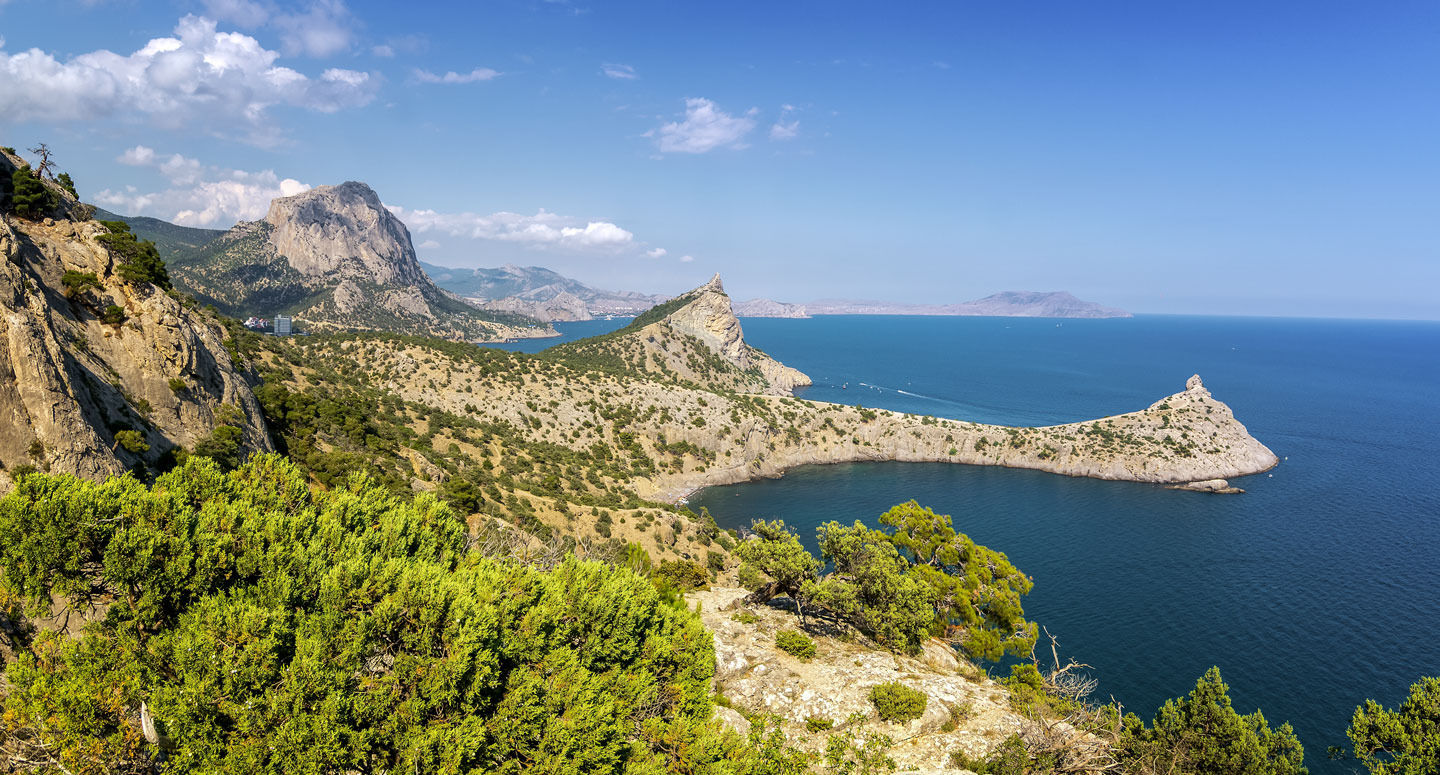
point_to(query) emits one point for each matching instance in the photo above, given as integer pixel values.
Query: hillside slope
(538, 292)
(99, 374)
(693, 339)
(336, 259)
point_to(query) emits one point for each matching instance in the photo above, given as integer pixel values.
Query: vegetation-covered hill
(169, 238)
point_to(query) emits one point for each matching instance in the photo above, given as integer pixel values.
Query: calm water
(569, 332)
(1316, 589)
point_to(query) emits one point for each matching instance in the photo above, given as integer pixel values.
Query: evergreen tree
(30, 198)
(1401, 741)
(140, 261)
(1201, 734)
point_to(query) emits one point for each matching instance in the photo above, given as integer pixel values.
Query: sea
(1316, 589)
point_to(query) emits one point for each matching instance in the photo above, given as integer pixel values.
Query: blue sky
(1208, 157)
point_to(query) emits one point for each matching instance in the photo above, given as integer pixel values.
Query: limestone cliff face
(70, 382)
(693, 339)
(709, 317)
(336, 259)
(344, 230)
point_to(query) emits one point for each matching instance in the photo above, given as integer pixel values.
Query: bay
(1313, 591)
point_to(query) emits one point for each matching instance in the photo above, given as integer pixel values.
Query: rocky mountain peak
(344, 230)
(714, 285)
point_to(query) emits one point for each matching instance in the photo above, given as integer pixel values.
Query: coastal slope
(667, 411)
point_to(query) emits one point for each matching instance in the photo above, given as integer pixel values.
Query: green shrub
(76, 283)
(683, 575)
(795, 643)
(67, 183)
(744, 617)
(177, 385)
(898, 703)
(132, 441)
(818, 723)
(113, 315)
(335, 630)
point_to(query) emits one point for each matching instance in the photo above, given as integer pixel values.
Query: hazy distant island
(1019, 304)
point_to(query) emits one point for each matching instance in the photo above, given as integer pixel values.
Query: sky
(1275, 158)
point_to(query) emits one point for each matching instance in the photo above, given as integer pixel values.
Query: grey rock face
(710, 318)
(69, 382)
(344, 230)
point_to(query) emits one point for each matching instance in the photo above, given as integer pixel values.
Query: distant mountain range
(538, 292)
(1028, 304)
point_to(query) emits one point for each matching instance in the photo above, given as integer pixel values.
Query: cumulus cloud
(619, 72)
(429, 244)
(198, 195)
(544, 230)
(321, 28)
(222, 81)
(686, 259)
(657, 253)
(478, 74)
(705, 128)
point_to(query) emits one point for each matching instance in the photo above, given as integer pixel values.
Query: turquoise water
(1316, 589)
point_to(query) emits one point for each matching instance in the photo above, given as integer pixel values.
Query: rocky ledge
(965, 710)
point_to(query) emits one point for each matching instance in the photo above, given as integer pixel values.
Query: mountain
(532, 291)
(1028, 304)
(765, 308)
(694, 339)
(169, 238)
(334, 258)
(102, 371)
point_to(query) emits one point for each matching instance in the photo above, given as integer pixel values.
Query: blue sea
(1313, 591)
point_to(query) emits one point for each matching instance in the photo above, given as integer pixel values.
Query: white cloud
(222, 81)
(619, 72)
(321, 28)
(383, 51)
(544, 230)
(705, 128)
(198, 195)
(785, 130)
(686, 259)
(478, 74)
(244, 13)
(324, 29)
(429, 244)
(657, 253)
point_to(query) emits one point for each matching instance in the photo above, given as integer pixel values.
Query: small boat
(845, 386)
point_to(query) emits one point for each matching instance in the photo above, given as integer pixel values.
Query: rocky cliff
(694, 338)
(335, 258)
(100, 375)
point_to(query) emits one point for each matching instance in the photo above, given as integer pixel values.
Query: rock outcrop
(336, 259)
(833, 686)
(71, 382)
(694, 338)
